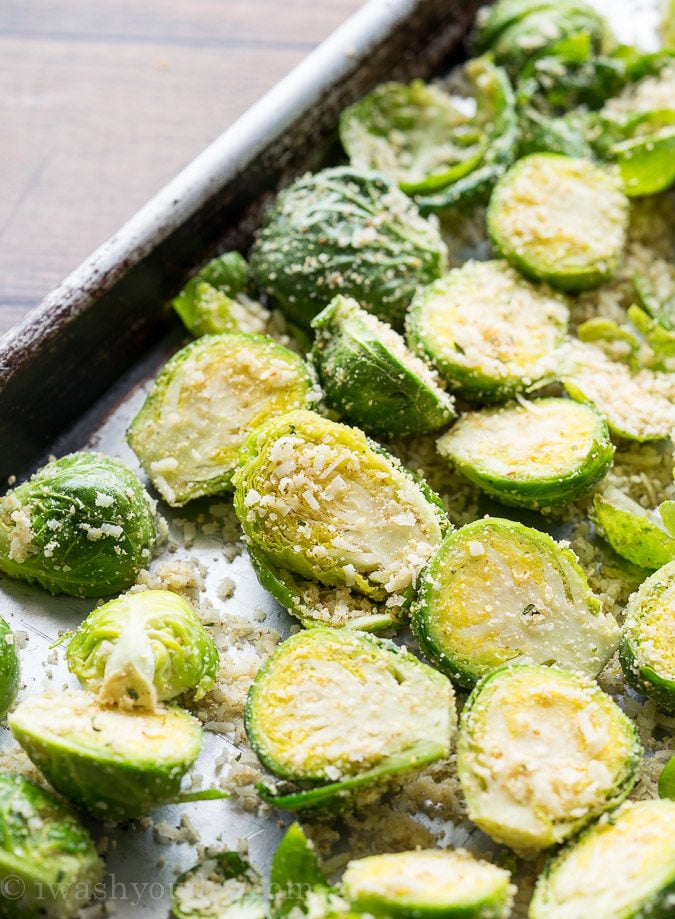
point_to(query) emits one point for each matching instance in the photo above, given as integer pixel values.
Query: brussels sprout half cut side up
(498, 592)
(48, 862)
(9, 668)
(318, 499)
(622, 867)
(116, 765)
(489, 332)
(223, 886)
(300, 712)
(370, 377)
(204, 403)
(647, 650)
(82, 525)
(347, 231)
(428, 884)
(143, 648)
(541, 752)
(634, 532)
(559, 219)
(531, 454)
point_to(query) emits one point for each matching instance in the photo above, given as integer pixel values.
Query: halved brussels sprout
(370, 377)
(428, 884)
(9, 668)
(204, 403)
(622, 867)
(223, 886)
(497, 592)
(295, 873)
(631, 530)
(318, 499)
(116, 765)
(82, 525)
(424, 136)
(637, 406)
(48, 862)
(559, 219)
(143, 648)
(516, 31)
(487, 330)
(345, 231)
(535, 454)
(215, 299)
(300, 713)
(647, 650)
(541, 752)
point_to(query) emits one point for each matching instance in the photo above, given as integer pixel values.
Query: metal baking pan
(74, 372)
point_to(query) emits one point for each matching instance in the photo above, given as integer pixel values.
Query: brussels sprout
(223, 886)
(116, 765)
(143, 648)
(350, 232)
(428, 884)
(621, 868)
(48, 862)
(560, 219)
(637, 406)
(371, 378)
(9, 668)
(82, 526)
(667, 780)
(294, 874)
(647, 650)
(516, 31)
(420, 135)
(204, 403)
(498, 591)
(300, 712)
(216, 300)
(634, 532)
(536, 454)
(541, 752)
(318, 499)
(487, 330)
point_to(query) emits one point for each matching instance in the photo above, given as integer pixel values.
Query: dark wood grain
(103, 103)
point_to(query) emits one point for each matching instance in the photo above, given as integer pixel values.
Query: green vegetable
(541, 752)
(667, 780)
(203, 404)
(295, 874)
(668, 24)
(143, 648)
(371, 378)
(48, 862)
(621, 868)
(428, 884)
(636, 533)
(535, 454)
(560, 219)
(9, 668)
(350, 232)
(300, 712)
(223, 886)
(647, 651)
(487, 330)
(498, 591)
(116, 765)
(82, 525)
(318, 499)
(216, 299)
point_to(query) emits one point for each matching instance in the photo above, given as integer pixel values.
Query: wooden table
(103, 102)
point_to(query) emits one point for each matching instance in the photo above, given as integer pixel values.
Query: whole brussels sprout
(143, 648)
(346, 231)
(9, 668)
(82, 525)
(48, 862)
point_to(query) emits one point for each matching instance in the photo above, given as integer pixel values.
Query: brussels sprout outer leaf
(667, 511)
(48, 862)
(635, 533)
(498, 592)
(371, 378)
(82, 525)
(115, 765)
(232, 887)
(667, 780)
(647, 164)
(9, 668)
(295, 871)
